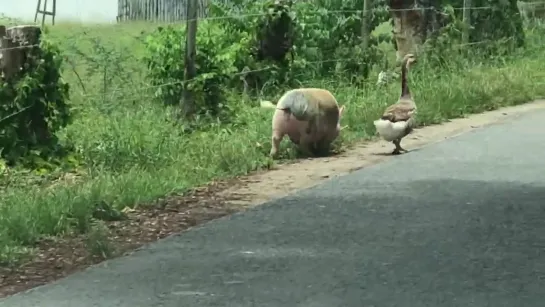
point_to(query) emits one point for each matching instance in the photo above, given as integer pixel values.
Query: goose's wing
(398, 112)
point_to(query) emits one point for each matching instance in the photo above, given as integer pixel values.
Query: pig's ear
(341, 111)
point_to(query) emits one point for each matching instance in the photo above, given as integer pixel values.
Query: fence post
(15, 44)
(188, 102)
(466, 17)
(365, 25)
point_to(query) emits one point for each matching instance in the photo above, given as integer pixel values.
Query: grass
(132, 153)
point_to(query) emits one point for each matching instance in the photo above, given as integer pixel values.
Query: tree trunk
(407, 21)
(413, 23)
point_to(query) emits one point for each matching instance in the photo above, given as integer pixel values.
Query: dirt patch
(264, 186)
(60, 257)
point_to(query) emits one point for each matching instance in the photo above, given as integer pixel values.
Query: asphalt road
(458, 223)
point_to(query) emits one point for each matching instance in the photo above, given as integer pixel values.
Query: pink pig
(309, 116)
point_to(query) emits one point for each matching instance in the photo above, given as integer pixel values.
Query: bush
(216, 56)
(502, 22)
(254, 54)
(34, 107)
(227, 57)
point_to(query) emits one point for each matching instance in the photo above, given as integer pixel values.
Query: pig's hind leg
(275, 142)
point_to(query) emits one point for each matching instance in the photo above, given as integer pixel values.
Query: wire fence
(525, 5)
(242, 16)
(522, 5)
(170, 11)
(135, 91)
(202, 7)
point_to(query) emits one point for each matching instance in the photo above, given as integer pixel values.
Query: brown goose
(398, 119)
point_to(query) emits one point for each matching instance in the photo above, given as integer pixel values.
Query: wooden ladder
(44, 11)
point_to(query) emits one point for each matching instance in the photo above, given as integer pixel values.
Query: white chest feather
(391, 131)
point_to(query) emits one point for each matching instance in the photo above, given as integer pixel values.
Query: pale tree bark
(413, 22)
(406, 27)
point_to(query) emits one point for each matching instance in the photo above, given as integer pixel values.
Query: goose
(398, 120)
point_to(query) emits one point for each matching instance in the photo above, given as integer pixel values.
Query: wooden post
(365, 25)
(15, 43)
(188, 102)
(466, 17)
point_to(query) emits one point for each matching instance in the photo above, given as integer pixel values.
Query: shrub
(34, 107)
(278, 45)
(216, 57)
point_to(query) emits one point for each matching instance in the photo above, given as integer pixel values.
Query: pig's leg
(322, 147)
(306, 143)
(311, 126)
(279, 122)
(275, 142)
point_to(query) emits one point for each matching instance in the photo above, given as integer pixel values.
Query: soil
(56, 258)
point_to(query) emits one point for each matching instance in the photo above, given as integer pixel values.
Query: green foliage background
(227, 62)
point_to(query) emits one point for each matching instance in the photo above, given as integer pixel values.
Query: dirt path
(57, 258)
(286, 179)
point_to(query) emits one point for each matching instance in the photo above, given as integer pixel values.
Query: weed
(98, 242)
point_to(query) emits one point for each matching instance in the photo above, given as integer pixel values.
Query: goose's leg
(398, 148)
(401, 148)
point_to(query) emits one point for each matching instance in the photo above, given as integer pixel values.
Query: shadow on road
(350, 242)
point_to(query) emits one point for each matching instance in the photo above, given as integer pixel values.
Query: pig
(309, 116)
